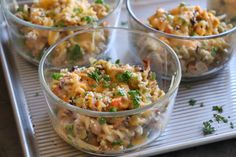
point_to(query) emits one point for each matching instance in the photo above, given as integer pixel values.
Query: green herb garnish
(113, 109)
(88, 19)
(214, 51)
(202, 104)
(20, 9)
(121, 92)
(95, 75)
(117, 61)
(75, 52)
(56, 76)
(60, 24)
(94, 85)
(102, 120)
(117, 142)
(192, 102)
(231, 125)
(69, 129)
(107, 85)
(219, 109)
(220, 118)
(124, 77)
(99, 1)
(77, 10)
(106, 78)
(207, 128)
(135, 96)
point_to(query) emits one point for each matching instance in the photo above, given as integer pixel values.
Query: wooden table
(10, 145)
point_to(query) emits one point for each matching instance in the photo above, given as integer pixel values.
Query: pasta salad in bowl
(202, 38)
(112, 104)
(35, 26)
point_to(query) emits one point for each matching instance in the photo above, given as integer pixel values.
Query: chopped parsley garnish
(20, 9)
(94, 85)
(134, 93)
(102, 120)
(69, 129)
(77, 10)
(124, 77)
(117, 61)
(99, 1)
(106, 78)
(106, 85)
(121, 92)
(56, 76)
(117, 142)
(88, 19)
(75, 52)
(214, 51)
(202, 104)
(60, 24)
(231, 125)
(113, 109)
(220, 118)
(219, 109)
(135, 96)
(207, 128)
(192, 102)
(95, 75)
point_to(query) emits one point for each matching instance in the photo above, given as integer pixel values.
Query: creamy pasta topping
(107, 87)
(59, 13)
(188, 20)
(196, 56)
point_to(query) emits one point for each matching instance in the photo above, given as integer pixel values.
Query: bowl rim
(53, 28)
(170, 93)
(133, 16)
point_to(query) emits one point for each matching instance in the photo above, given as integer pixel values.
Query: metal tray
(184, 129)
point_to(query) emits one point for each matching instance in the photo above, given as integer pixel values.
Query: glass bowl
(200, 56)
(31, 37)
(129, 129)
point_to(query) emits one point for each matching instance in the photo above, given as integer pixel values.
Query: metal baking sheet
(184, 129)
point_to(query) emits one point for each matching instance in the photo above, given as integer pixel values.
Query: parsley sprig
(192, 102)
(56, 76)
(95, 75)
(219, 109)
(207, 128)
(135, 96)
(220, 118)
(124, 77)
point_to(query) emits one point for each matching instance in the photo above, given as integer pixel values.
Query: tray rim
(24, 123)
(18, 102)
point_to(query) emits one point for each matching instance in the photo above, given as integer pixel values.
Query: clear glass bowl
(198, 62)
(150, 120)
(30, 39)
